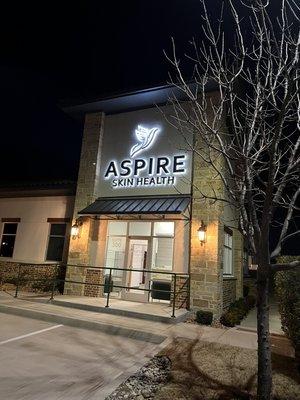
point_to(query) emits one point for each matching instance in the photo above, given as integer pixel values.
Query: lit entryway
(136, 278)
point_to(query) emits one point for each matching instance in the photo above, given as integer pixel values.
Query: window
(163, 247)
(8, 239)
(164, 229)
(56, 242)
(117, 228)
(139, 228)
(227, 262)
(162, 257)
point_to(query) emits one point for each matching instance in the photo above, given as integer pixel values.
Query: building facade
(140, 224)
(35, 221)
(138, 209)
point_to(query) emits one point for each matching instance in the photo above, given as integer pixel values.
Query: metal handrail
(129, 269)
(55, 281)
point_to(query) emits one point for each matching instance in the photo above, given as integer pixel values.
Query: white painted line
(30, 334)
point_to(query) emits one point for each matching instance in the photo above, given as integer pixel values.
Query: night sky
(52, 51)
(58, 50)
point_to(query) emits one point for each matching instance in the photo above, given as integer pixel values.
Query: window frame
(50, 223)
(151, 237)
(229, 248)
(9, 221)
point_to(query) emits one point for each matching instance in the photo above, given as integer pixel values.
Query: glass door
(136, 278)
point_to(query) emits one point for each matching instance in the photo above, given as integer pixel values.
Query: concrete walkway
(250, 322)
(134, 328)
(161, 312)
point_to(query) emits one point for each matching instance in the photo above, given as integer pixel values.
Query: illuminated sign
(146, 138)
(139, 172)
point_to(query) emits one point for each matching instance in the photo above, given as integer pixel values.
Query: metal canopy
(138, 205)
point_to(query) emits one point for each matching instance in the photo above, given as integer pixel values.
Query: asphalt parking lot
(41, 360)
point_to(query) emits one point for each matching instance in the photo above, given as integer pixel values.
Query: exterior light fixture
(202, 233)
(75, 229)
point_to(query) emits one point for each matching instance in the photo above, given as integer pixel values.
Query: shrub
(230, 318)
(287, 284)
(250, 302)
(204, 317)
(246, 290)
(237, 311)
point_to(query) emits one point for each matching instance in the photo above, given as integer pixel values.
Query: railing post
(188, 293)
(18, 281)
(174, 295)
(109, 285)
(53, 288)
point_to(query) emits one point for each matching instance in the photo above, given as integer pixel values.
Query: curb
(86, 324)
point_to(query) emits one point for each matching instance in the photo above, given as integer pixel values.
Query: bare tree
(256, 153)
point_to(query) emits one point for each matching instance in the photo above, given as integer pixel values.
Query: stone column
(205, 261)
(86, 193)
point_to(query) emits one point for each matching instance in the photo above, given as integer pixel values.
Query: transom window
(8, 239)
(227, 258)
(141, 228)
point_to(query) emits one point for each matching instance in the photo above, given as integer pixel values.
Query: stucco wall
(33, 229)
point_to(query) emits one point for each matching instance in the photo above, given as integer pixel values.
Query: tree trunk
(264, 379)
(297, 356)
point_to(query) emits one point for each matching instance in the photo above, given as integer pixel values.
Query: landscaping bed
(202, 370)
(198, 370)
(146, 382)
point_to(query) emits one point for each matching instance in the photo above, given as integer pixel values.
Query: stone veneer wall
(229, 292)
(205, 260)
(87, 192)
(182, 292)
(9, 272)
(95, 276)
(206, 266)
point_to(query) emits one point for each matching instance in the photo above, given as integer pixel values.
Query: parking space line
(30, 334)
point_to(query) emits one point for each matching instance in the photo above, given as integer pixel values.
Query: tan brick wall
(94, 276)
(206, 265)
(229, 292)
(87, 192)
(28, 273)
(238, 243)
(205, 260)
(182, 292)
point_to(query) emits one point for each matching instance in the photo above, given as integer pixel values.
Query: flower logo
(145, 137)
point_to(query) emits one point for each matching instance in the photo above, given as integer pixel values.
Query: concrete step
(160, 313)
(123, 313)
(148, 331)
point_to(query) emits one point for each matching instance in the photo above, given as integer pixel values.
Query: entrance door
(136, 278)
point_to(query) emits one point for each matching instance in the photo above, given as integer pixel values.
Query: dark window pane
(55, 248)
(7, 245)
(58, 229)
(10, 228)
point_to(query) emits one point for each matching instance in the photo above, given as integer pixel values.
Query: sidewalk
(250, 322)
(148, 331)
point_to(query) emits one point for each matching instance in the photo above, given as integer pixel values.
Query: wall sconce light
(76, 229)
(202, 233)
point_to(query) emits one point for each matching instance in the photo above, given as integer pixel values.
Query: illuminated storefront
(136, 210)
